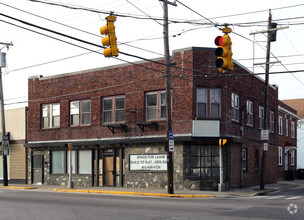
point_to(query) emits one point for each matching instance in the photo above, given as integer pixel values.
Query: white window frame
(114, 109)
(235, 105)
(50, 114)
(280, 156)
(286, 125)
(261, 117)
(280, 125)
(79, 113)
(204, 96)
(271, 121)
(249, 109)
(159, 114)
(293, 129)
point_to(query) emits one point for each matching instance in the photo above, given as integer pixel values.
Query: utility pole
(271, 30)
(5, 141)
(3, 132)
(262, 175)
(170, 187)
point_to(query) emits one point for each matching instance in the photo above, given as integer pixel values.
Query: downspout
(242, 136)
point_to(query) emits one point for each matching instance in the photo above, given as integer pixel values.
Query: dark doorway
(37, 169)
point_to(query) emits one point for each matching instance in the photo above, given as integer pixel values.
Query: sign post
(221, 184)
(70, 184)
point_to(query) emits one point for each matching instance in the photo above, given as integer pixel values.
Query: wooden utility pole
(5, 140)
(3, 133)
(170, 187)
(262, 175)
(270, 32)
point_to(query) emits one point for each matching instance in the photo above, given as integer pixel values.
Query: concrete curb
(274, 190)
(17, 187)
(134, 193)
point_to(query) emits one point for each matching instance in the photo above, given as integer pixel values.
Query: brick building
(115, 119)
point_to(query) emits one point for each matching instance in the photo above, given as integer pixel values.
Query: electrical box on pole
(2, 59)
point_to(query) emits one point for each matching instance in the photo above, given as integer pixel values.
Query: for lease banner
(148, 162)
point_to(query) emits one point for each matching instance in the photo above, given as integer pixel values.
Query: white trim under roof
(280, 108)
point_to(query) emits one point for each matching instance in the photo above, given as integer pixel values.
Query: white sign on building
(148, 162)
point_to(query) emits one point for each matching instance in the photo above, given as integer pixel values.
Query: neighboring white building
(298, 104)
(300, 144)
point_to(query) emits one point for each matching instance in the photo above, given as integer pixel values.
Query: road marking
(295, 197)
(275, 197)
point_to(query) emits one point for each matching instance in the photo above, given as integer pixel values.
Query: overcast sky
(194, 23)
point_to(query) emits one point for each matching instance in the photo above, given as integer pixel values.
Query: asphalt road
(21, 204)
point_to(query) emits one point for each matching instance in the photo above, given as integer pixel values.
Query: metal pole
(168, 99)
(70, 184)
(262, 176)
(221, 168)
(4, 156)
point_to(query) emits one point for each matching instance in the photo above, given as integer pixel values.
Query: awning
(289, 148)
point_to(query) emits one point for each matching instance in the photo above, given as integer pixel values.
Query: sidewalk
(248, 191)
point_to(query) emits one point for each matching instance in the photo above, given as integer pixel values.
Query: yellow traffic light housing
(223, 53)
(110, 40)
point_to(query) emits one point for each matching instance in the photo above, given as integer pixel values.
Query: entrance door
(37, 169)
(109, 170)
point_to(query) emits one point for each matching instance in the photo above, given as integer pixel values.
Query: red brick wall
(134, 81)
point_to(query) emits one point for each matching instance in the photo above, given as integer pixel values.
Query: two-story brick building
(115, 119)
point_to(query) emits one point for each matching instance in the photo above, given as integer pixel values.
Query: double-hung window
(113, 109)
(235, 105)
(261, 117)
(155, 105)
(249, 110)
(208, 103)
(51, 115)
(293, 131)
(80, 113)
(271, 121)
(280, 125)
(280, 156)
(286, 127)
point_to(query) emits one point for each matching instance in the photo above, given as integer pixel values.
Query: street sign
(265, 146)
(264, 135)
(171, 141)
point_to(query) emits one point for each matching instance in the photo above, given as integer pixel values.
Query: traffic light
(110, 39)
(223, 53)
(68, 147)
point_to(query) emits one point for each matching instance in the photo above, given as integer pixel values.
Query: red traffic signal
(218, 41)
(223, 53)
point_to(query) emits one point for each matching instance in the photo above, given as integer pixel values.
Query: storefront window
(85, 162)
(57, 162)
(204, 161)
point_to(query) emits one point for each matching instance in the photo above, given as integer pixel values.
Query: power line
(144, 12)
